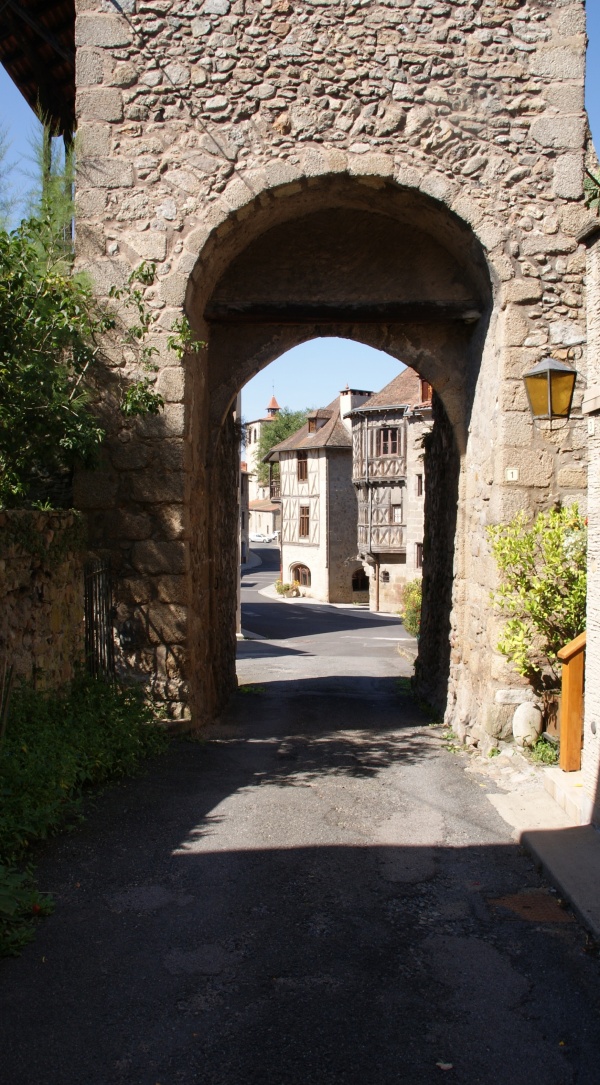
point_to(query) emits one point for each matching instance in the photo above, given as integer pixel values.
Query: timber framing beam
(424, 312)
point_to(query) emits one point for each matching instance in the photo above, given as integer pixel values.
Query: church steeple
(273, 408)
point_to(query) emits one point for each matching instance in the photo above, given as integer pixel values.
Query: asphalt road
(314, 894)
(311, 640)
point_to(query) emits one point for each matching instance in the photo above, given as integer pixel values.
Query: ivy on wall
(48, 538)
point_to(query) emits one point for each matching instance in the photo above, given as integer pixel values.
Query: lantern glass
(550, 385)
(537, 393)
(561, 391)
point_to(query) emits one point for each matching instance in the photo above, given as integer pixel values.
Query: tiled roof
(403, 389)
(263, 505)
(332, 434)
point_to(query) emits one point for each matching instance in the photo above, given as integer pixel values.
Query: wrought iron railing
(99, 637)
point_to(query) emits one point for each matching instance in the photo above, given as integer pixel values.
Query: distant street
(322, 640)
(311, 892)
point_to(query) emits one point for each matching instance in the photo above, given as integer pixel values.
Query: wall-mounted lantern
(549, 386)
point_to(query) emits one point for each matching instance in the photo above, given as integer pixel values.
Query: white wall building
(264, 515)
(319, 507)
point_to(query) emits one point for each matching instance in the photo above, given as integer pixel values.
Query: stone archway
(369, 257)
(355, 258)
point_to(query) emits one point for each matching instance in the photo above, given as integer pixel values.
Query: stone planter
(527, 724)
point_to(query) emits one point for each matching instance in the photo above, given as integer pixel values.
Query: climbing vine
(34, 533)
(591, 189)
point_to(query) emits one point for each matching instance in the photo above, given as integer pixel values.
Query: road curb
(570, 858)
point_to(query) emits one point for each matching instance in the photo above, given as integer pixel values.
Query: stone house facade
(388, 432)
(318, 502)
(404, 175)
(264, 514)
(253, 431)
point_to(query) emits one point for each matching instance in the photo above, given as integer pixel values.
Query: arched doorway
(301, 574)
(352, 258)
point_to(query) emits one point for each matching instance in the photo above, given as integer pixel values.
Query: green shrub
(542, 591)
(546, 753)
(412, 594)
(282, 587)
(56, 747)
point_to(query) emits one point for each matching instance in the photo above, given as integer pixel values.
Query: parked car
(260, 537)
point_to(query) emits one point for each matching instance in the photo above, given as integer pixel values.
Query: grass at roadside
(56, 748)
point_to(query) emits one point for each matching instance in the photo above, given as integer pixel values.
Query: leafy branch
(542, 593)
(51, 333)
(139, 398)
(591, 189)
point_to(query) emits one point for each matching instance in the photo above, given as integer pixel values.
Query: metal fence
(99, 640)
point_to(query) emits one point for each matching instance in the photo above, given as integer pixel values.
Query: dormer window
(386, 441)
(316, 422)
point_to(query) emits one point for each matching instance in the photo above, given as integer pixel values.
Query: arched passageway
(359, 259)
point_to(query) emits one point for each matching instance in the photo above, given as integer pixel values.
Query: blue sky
(312, 373)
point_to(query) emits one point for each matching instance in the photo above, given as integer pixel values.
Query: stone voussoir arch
(225, 242)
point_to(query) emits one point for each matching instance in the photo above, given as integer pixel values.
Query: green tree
(283, 425)
(49, 332)
(543, 572)
(50, 198)
(7, 200)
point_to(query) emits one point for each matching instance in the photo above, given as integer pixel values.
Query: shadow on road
(308, 619)
(291, 739)
(263, 649)
(306, 965)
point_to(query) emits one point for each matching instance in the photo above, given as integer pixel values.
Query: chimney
(349, 399)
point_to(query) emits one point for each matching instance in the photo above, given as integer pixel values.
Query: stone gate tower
(403, 172)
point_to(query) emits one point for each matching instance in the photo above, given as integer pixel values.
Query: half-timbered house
(387, 472)
(319, 507)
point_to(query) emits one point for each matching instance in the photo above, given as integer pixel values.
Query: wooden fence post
(572, 657)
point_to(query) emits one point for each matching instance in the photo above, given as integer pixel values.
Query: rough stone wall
(414, 503)
(41, 595)
(342, 517)
(392, 578)
(442, 467)
(591, 733)
(202, 127)
(223, 569)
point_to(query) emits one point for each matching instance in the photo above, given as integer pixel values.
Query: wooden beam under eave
(322, 313)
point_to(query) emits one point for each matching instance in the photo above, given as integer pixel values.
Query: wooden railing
(572, 657)
(382, 537)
